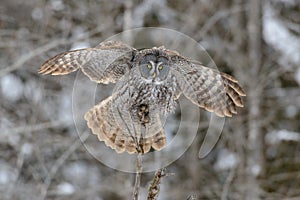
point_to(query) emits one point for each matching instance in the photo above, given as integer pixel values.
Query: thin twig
(60, 161)
(218, 16)
(44, 48)
(35, 127)
(26, 57)
(138, 176)
(227, 184)
(155, 184)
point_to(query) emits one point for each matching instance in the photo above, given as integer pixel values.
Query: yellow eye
(160, 67)
(149, 66)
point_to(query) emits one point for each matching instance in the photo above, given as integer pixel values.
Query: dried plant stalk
(192, 197)
(155, 184)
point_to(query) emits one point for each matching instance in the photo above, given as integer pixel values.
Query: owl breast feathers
(148, 83)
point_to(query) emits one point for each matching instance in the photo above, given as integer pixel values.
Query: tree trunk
(255, 150)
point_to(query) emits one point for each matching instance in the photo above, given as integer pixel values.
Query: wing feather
(101, 119)
(209, 89)
(105, 63)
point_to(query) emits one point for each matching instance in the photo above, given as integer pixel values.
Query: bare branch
(24, 58)
(60, 161)
(138, 175)
(218, 16)
(227, 184)
(35, 127)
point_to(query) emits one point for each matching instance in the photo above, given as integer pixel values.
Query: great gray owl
(148, 83)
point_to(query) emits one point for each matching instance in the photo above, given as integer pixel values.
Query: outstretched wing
(209, 89)
(105, 63)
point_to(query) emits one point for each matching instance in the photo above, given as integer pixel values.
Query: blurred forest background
(258, 155)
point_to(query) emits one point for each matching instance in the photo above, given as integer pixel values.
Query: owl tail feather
(100, 120)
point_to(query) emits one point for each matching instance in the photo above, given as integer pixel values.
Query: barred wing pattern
(141, 123)
(132, 118)
(209, 89)
(105, 63)
(102, 120)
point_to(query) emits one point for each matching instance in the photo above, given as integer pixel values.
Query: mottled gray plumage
(148, 83)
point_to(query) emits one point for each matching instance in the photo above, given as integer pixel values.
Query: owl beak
(156, 73)
(153, 71)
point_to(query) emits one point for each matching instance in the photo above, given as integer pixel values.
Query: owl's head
(153, 65)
